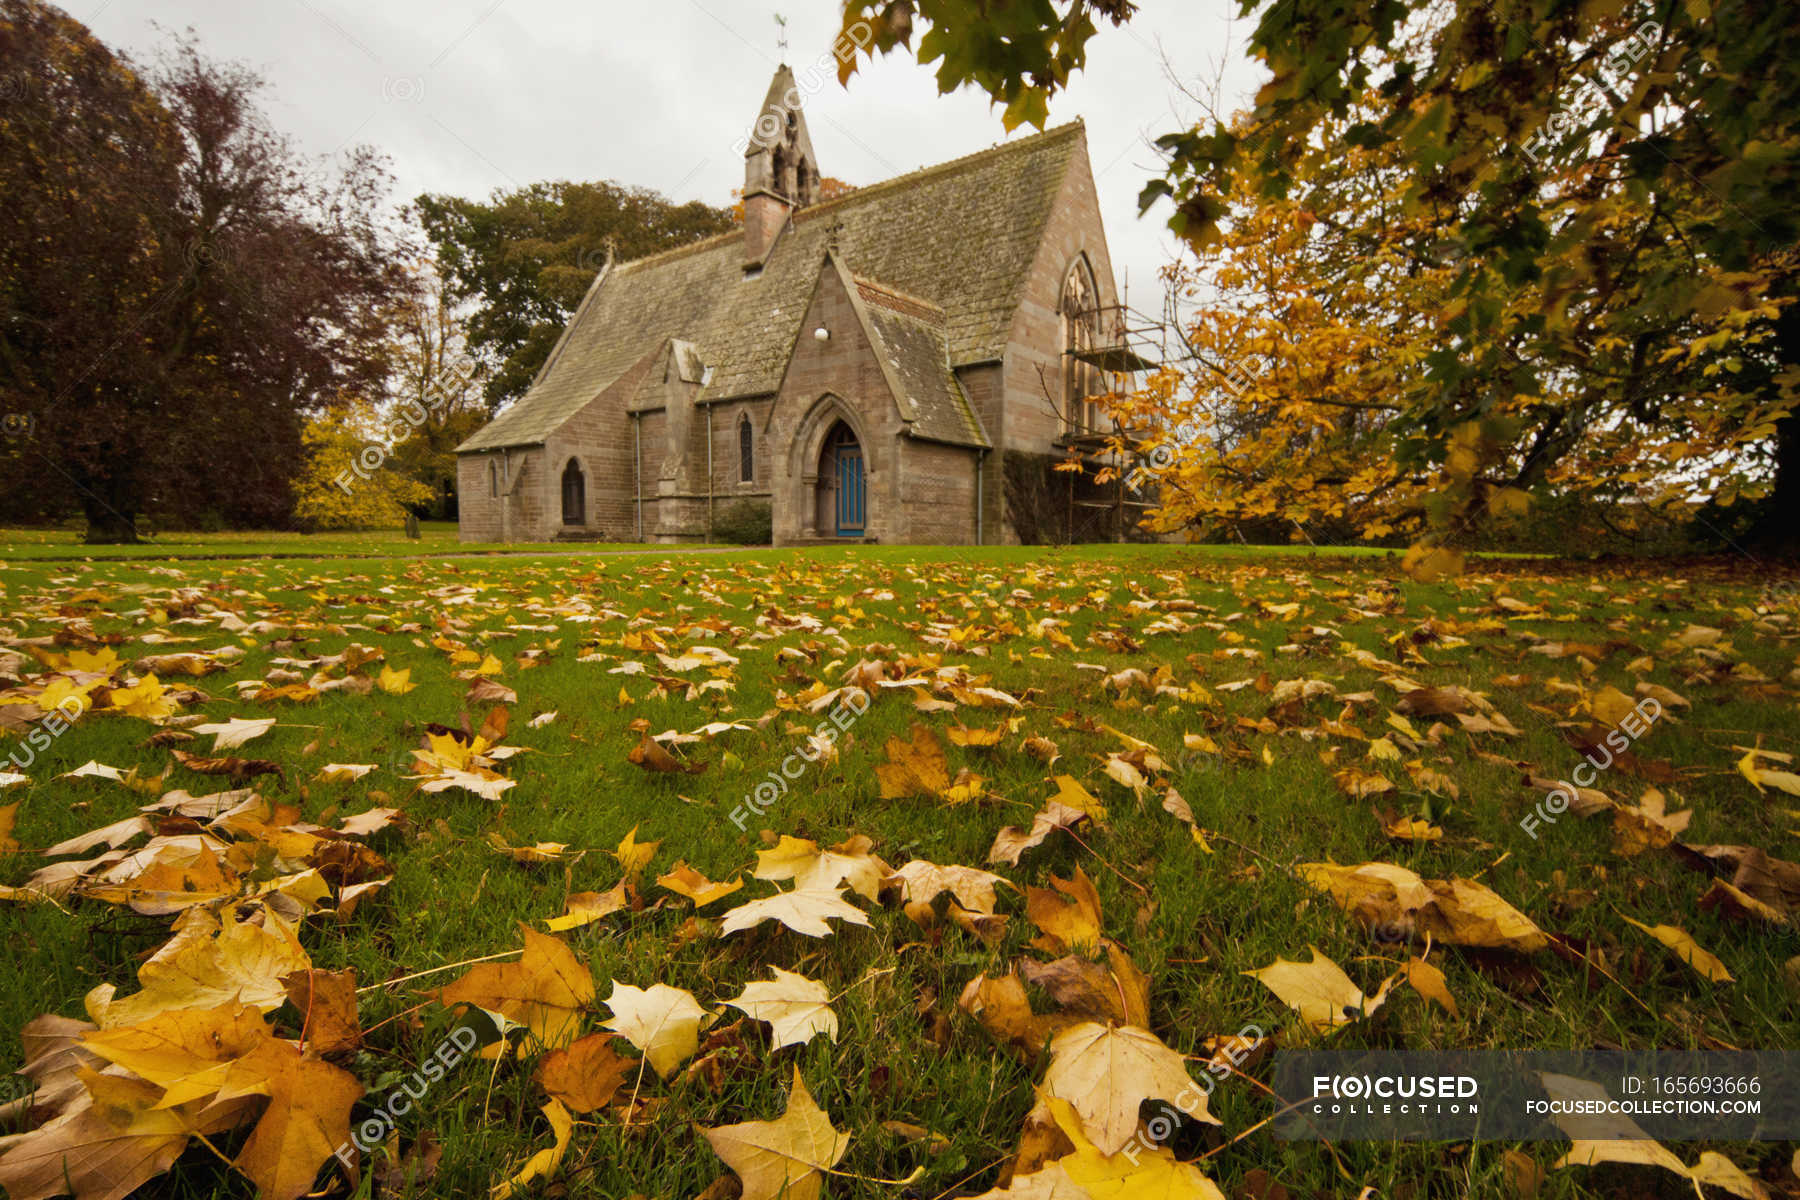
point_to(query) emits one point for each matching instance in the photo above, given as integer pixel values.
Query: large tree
(177, 285)
(525, 258)
(1628, 161)
(1321, 318)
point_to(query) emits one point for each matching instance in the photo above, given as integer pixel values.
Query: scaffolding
(1127, 339)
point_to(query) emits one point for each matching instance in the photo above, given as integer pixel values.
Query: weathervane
(781, 34)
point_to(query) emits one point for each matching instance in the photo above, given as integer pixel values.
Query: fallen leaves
(1105, 1072)
(1319, 991)
(782, 1159)
(661, 1021)
(796, 1008)
(546, 990)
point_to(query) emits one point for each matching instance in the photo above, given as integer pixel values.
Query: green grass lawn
(435, 538)
(1213, 632)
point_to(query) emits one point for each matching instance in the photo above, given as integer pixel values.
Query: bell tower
(780, 172)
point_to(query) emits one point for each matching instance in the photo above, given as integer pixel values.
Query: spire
(780, 172)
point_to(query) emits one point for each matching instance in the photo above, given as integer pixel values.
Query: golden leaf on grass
(922, 882)
(343, 772)
(229, 735)
(634, 855)
(327, 1004)
(584, 908)
(147, 699)
(1010, 842)
(1429, 982)
(795, 1007)
(1610, 706)
(1704, 963)
(650, 755)
(1071, 923)
(542, 852)
(169, 885)
(1106, 1071)
(307, 1118)
(205, 965)
(804, 911)
(661, 1021)
(683, 880)
(395, 683)
(1071, 794)
(999, 1003)
(813, 869)
(1319, 991)
(1412, 829)
(1117, 992)
(107, 1143)
(782, 1159)
(585, 1073)
(962, 735)
(1150, 1173)
(913, 768)
(1728, 900)
(544, 1163)
(1761, 778)
(186, 1052)
(546, 990)
(1459, 911)
(1360, 784)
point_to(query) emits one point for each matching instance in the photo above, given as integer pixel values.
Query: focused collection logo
(1369, 1094)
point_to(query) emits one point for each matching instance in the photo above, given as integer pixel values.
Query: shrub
(746, 523)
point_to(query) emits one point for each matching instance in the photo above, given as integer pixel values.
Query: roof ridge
(863, 281)
(994, 151)
(862, 193)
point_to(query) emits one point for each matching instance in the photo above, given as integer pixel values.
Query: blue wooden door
(851, 516)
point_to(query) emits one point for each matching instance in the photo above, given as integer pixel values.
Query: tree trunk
(109, 517)
(1777, 530)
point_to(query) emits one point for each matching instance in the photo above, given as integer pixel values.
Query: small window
(746, 451)
(494, 479)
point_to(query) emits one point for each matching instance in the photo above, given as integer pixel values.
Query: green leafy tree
(524, 259)
(1633, 164)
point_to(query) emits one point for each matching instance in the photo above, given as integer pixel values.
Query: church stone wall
(939, 496)
(517, 514)
(1074, 228)
(985, 386)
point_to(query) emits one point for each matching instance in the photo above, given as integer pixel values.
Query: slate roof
(960, 236)
(909, 336)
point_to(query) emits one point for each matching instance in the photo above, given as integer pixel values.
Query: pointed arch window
(746, 451)
(1080, 311)
(493, 478)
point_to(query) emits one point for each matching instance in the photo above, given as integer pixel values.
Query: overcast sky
(467, 96)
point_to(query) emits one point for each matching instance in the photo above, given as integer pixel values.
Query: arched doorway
(843, 493)
(574, 495)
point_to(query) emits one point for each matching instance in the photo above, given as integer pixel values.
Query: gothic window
(778, 170)
(746, 451)
(1080, 311)
(802, 184)
(493, 479)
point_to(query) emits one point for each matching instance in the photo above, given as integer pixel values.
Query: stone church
(872, 367)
